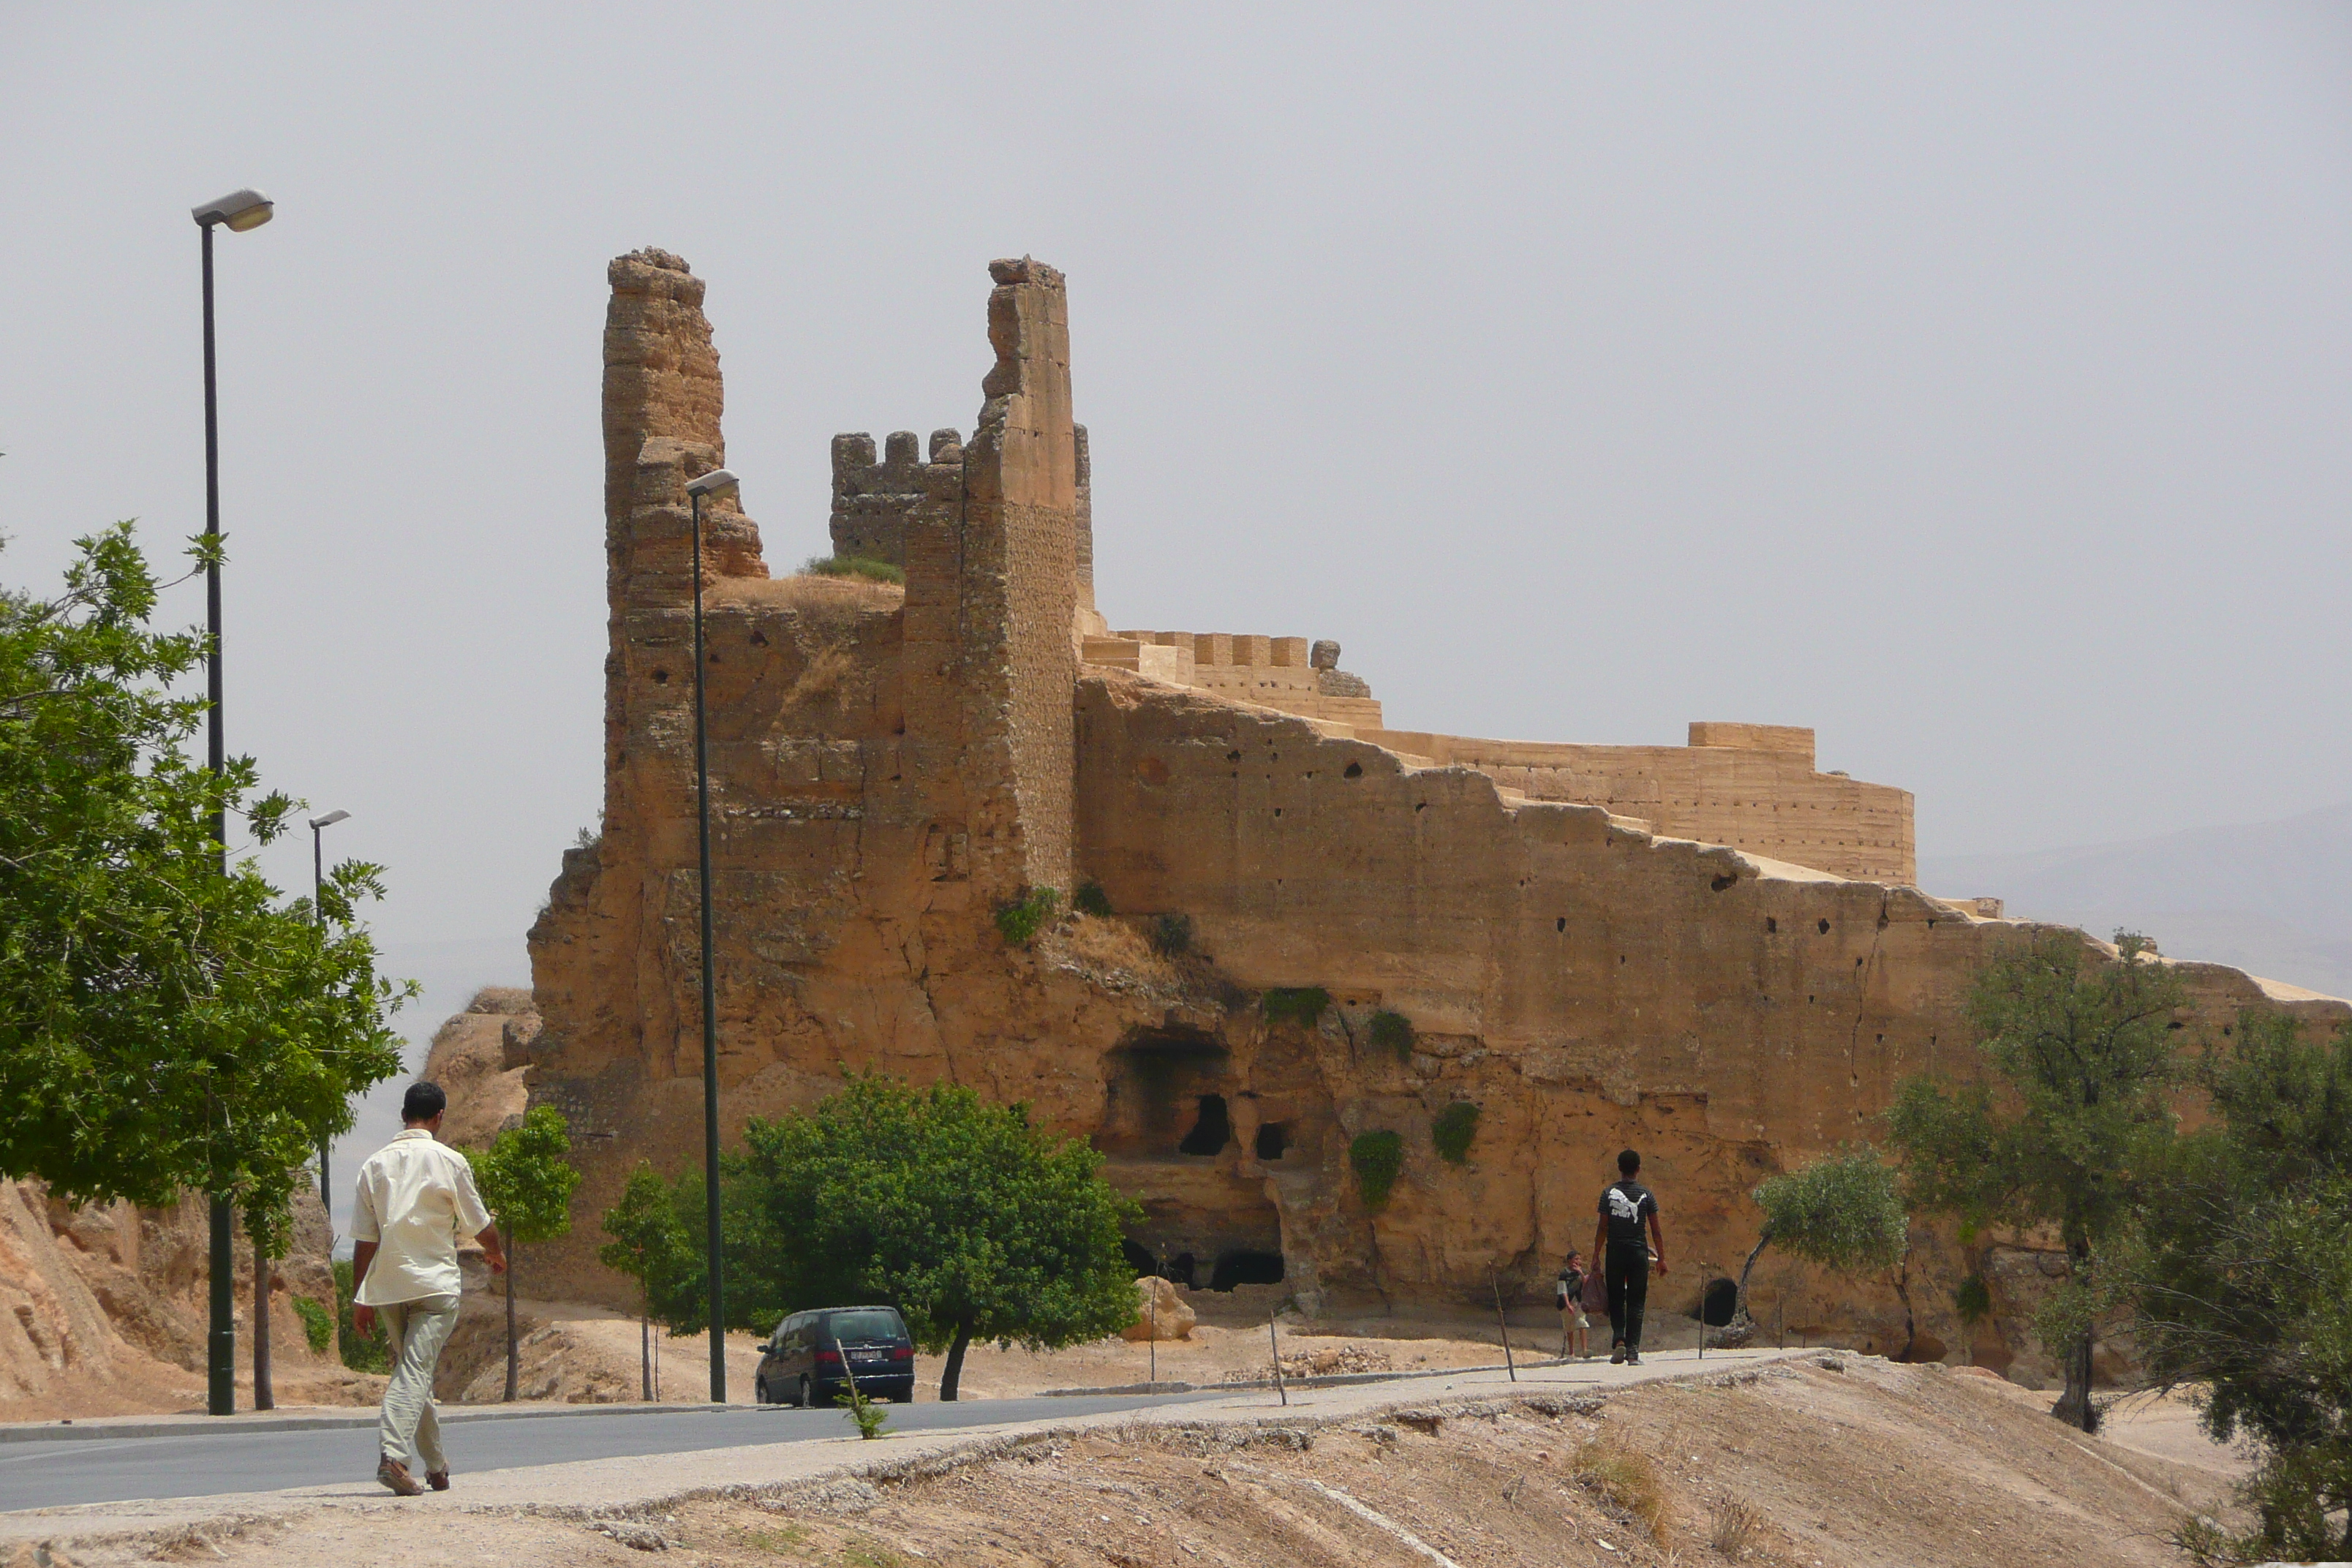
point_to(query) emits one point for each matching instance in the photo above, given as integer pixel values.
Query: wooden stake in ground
(1277, 1345)
(1510, 1365)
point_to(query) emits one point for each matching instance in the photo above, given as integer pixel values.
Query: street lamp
(717, 481)
(238, 211)
(319, 825)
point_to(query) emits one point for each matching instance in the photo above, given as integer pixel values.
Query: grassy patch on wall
(1393, 1032)
(1378, 1159)
(1018, 921)
(1456, 1126)
(1299, 1004)
(1090, 898)
(854, 566)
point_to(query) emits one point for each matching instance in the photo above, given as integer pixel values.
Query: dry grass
(808, 591)
(1108, 944)
(1734, 1528)
(823, 674)
(1625, 1481)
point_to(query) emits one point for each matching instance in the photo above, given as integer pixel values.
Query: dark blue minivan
(812, 1356)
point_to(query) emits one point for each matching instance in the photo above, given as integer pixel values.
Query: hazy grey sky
(1971, 383)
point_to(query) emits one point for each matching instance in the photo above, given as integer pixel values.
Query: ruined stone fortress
(1714, 952)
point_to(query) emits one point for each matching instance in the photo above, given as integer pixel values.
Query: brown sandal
(394, 1474)
(438, 1480)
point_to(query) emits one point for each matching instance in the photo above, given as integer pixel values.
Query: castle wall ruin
(1711, 952)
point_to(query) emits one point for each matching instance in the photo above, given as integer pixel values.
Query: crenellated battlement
(1283, 673)
(872, 496)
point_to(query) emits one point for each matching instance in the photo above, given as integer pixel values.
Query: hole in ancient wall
(1770, 925)
(1211, 1130)
(1825, 928)
(1272, 1138)
(1153, 1083)
(661, 678)
(1352, 771)
(1560, 924)
(1721, 1300)
(1720, 883)
(1245, 1267)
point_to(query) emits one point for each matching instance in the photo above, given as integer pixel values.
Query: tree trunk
(645, 1352)
(509, 1236)
(1910, 1322)
(949, 1378)
(2073, 1406)
(263, 1397)
(1762, 1242)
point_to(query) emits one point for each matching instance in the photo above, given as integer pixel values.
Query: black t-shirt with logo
(1625, 1206)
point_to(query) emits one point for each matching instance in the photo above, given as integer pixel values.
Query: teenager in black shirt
(1627, 1256)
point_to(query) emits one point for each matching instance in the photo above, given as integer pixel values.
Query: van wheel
(760, 1391)
(805, 1394)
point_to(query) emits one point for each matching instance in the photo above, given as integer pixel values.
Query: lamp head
(238, 211)
(329, 820)
(716, 482)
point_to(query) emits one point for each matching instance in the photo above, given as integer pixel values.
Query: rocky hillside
(102, 1309)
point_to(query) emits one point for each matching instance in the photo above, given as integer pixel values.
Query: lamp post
(319, 825)
(237, 212)
(717, 481)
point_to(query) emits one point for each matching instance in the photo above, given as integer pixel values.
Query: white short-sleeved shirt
(416, 1200)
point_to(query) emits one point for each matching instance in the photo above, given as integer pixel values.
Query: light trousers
(407, 1430)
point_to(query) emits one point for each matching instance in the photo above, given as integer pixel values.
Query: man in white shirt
(416, 1198)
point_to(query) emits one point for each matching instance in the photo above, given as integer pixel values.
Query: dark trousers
(1627, 1271)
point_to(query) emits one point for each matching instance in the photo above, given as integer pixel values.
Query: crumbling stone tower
(992, 595)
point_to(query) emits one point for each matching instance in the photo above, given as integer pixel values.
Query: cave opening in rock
(1153, 1085)
(1272, 1138)
(1245, 1266)
(1138, 1258)
(1211, 1130)
(1721, 1300)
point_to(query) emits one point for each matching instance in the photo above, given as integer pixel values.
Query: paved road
(199, 1464)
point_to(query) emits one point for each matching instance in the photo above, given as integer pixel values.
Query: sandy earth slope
(1835, 1462)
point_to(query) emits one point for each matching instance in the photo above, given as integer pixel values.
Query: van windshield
(874, 1323)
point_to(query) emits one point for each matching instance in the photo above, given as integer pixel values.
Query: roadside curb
(1324, 1380)
(267, 1422)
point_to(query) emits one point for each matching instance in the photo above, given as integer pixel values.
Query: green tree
(2070, 1117)
(163, 1026)
(975, 1224)
(1842, 1211)
(2245, 1289)
(527, 1177)
(650, 1244)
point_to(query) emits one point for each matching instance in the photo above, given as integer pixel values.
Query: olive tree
(2060, 1130)
(1842, 1211)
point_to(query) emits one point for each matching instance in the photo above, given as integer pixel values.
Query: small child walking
(1567, 1295)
